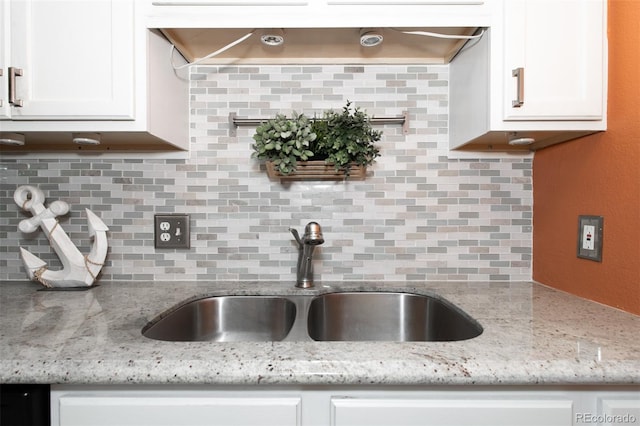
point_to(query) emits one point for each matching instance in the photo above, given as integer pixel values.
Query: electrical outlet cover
(172, 231)
(590, 237)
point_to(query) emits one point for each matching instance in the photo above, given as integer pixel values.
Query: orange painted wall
(596, 175)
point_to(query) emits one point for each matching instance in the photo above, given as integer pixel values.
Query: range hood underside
(318, 46)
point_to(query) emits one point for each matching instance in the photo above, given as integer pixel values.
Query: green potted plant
(346, 138)
(284, 141)
(342, 143)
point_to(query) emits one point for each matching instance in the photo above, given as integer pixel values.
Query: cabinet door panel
(227, 2)
(406, 2)
(4, 58)
(176, 411)
(617, 410)
(558, 44)
(76, 59)
(408, 412)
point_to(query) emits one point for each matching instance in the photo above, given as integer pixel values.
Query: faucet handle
(296, 235)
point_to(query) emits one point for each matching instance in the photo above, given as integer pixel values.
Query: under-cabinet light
(86, 138)
(370, 38)
(274, 37)
(516, 140)
(15, 139)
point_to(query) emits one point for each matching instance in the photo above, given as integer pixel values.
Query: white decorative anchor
(78, 270)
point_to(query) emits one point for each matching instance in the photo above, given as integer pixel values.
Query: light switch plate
(172, 231)
(590, 237)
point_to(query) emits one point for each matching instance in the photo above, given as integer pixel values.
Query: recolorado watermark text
(588, 418)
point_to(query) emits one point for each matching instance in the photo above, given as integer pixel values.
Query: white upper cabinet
(77, 66)
(317, 31)
(540, 75)
(554, 59)
(4, 58)
(316, 13)
(74, 59)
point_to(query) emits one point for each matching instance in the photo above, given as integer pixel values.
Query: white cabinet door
(187, 410)
(558, 49)
(454, 412)
(90, 66)
(406, 2)
(76, 59)
(4, 58)
(227, 2)
(554, 59)
(616, 410)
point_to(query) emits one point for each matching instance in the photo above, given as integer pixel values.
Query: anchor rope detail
(38, 276)
(88, 261)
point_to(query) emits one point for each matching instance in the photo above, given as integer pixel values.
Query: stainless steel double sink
(341, 316)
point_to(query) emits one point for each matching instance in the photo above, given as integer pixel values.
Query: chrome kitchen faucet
(311, 238)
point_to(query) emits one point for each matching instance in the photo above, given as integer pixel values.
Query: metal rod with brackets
(235, 122)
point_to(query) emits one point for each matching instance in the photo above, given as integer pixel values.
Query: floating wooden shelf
(317, 170)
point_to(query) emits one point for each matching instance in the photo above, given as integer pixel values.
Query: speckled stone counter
(532, 335)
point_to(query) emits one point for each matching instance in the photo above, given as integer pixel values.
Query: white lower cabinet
(160, 408)
(616, 410)
(445, 412)
(361, 406)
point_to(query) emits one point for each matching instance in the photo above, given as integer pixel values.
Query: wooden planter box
(317, 170)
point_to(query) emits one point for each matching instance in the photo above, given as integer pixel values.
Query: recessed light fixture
(370, 38)
(14, 139)
(272, 37)
(86, 138)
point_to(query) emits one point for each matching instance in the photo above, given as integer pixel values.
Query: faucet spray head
(313, 234)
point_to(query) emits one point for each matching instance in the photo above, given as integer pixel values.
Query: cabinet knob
(518, 73)
(13, 73)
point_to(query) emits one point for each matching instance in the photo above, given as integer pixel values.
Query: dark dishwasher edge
(25, 405)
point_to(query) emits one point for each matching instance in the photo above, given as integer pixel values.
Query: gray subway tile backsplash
(418, 216)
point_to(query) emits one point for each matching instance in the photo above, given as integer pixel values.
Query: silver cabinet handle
(13, 73)
(518, 73)
(1, 76)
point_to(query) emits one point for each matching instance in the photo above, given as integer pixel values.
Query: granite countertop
(532, 335)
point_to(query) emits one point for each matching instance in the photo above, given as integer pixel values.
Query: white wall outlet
(590, 237)
(172, 231)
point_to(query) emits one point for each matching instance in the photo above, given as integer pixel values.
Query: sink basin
(379, 316)
(348, 316)
(226, 319)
